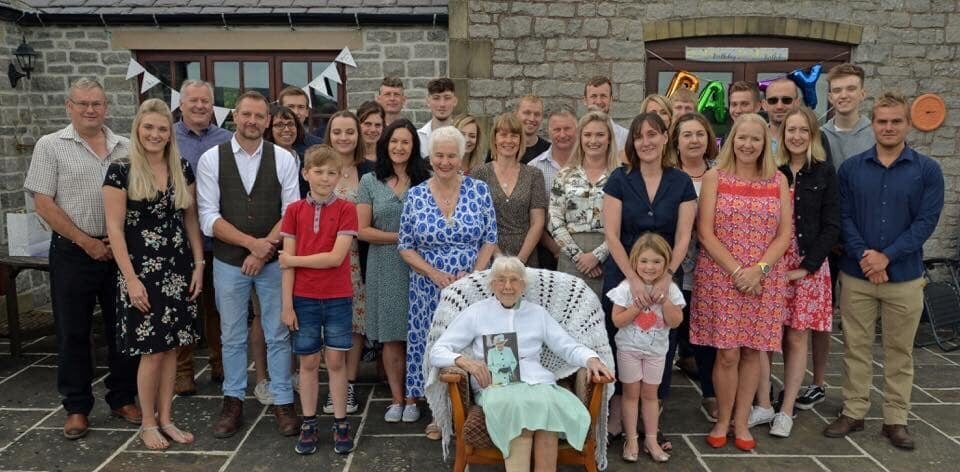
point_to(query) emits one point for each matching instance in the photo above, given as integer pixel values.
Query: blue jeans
(233, 297)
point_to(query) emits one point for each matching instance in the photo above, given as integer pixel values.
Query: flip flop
(160, 443)
(176, 434)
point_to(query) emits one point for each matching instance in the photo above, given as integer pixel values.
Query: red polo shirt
(315, 227)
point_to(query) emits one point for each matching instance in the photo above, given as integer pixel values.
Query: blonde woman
(660, 105)
(576, 200)
(519, 195)
(472, 159)
(151, 216)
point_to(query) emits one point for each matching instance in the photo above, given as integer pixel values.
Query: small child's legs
(308, 383)
(337, 370)
(641, 376)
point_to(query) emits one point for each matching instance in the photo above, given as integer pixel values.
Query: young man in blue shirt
(891, 197)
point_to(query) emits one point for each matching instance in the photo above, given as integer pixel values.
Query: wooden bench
(12, 266)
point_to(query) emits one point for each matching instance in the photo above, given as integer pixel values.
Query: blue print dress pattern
(450, 245)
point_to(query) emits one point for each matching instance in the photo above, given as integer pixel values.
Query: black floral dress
(160, 253)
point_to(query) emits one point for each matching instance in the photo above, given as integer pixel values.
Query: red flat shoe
(717, 442)
(745, 445)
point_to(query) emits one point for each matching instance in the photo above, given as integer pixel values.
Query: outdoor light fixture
(24, 56)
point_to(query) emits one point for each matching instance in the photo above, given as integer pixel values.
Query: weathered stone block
(927, 20)
(78, 57)
(433, 50)
(484, 31)
(427, 68)
(381, 36)
(527, 8)
(490, 88)
(396, 52)
(507, 71)
(392, 68)
(548, 27)
(530, 50)
(536, 70)
(903, 50)
(411, 36)
(515, 26)
(621, 50)
(92, 45)
(595, 27)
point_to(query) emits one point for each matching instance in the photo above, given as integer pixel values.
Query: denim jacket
(816, 212)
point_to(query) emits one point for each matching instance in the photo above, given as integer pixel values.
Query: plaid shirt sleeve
(42, 176)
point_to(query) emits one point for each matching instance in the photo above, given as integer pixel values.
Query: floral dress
(810, 299)
(746, 218)
(448, 245)
(356, 273)
(162, 259)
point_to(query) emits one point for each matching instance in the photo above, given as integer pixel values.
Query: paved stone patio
(31, 419)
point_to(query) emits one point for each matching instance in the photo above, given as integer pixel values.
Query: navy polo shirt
(889, 209)
(639, 215)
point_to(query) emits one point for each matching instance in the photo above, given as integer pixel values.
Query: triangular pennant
(320, 86)
(306, 90)
(174, 100)
(149, 81)
(331, 73)
(134, 69)
(220, 113)
(345, 57)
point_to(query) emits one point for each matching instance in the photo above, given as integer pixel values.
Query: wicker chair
(564, 296)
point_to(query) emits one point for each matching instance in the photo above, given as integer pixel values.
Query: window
(232, 72)
(802, 54)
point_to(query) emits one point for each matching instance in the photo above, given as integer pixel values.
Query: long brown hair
(358, 150)
(654, 121)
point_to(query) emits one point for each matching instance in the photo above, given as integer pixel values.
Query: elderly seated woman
(525, 415)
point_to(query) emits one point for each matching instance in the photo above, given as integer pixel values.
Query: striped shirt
(65, 168)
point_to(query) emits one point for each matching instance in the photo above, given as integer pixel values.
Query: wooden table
(13, 265)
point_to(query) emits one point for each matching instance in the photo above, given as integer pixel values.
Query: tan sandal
(660, 456)
(433, 432)
(176, 434)
(158, 444)
(630, 456)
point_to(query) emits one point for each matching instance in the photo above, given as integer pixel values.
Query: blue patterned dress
(448, 245)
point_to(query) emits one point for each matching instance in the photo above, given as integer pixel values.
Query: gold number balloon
(683, 79)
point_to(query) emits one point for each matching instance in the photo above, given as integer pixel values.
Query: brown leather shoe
(288, 423)
(76, 426)
(129, 413)
(231, 418)
(842, 426)
(184, 385)
(898, 436)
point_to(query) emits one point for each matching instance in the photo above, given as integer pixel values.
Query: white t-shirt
(653, 341)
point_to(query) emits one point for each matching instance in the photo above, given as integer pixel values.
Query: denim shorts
(323, 323)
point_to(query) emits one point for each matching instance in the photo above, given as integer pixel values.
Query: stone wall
(550, 48)
(36, 107)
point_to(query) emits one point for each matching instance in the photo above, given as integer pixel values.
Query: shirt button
(799, 217)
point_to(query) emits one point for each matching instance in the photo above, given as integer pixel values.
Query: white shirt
(534, 327)
(548, 166)
(653, 341)
(424, 135)
(208, 179)
(620, 133)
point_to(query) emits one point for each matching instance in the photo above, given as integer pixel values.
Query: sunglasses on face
(775, 100)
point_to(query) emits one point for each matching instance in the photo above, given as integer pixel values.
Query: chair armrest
(600, 380)
(452, 375)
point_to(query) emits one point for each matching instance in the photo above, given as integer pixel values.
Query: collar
(237, 149)
(70, 132)
(906, 155)
(184, 129)
(314, 203)
(546, 156)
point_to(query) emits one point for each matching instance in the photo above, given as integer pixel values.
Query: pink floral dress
(810, 299)
(745, 220)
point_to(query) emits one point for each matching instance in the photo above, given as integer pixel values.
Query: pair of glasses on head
(85, 105)
(775, 100)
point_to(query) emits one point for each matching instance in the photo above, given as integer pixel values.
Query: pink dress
(745, 220)
(809, 300)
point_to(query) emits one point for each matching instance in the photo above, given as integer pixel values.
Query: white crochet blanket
(566, 297)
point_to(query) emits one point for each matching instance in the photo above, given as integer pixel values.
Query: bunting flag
(345, 57)
(174, 100)
(134, 69)
(331, 73)
(320, 86)
(220, 113)
(149, 81)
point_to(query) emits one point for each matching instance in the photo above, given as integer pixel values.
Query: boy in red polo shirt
(317, 291)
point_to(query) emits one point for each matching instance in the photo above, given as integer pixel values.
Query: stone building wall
(36, 107)
(550, 48)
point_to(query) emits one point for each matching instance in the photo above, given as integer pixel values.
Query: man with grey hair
(65, 180)
(562, 127)
(196, 133)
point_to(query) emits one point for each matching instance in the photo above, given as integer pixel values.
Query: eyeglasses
(85, 105)
(285, 126)
(775, 100)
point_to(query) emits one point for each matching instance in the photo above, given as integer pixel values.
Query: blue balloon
(806, 80)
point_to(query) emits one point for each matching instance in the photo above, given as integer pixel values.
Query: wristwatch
(764, 267)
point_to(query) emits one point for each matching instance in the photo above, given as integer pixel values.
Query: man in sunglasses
(782, 97)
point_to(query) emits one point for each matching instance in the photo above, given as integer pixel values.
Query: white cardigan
(534, 327)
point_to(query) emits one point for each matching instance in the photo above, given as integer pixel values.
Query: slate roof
(216, 7)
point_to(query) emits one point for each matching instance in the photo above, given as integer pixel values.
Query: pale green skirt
(512, 408)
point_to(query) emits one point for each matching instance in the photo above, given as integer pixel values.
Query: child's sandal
(630, 456)
(176, 434)
(158, 442)
(659, 456)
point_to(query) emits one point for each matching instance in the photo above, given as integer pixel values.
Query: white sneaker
(782, 425)
(760, 415)
(262, 392)
(394, 413)
(411, 413)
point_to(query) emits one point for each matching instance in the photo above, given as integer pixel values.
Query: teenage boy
(530, 112)
(318, 293)
(684, 101)
(849, 134)
(597, 96)
(441, 99)
(744, 98)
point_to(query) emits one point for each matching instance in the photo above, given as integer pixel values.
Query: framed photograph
(502, 358)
